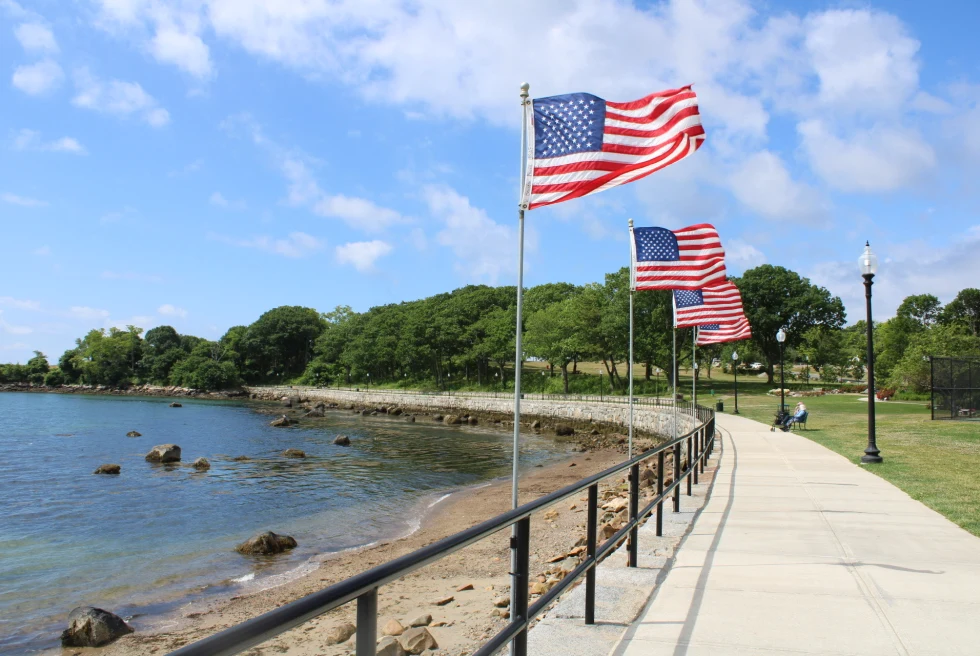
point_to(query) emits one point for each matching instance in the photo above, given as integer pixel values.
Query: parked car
(755, 366)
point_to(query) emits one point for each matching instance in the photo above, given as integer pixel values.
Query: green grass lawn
(935, 462)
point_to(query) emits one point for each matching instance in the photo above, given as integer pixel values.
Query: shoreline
(456, 626)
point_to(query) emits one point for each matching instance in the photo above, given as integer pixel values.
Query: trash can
(720, 406)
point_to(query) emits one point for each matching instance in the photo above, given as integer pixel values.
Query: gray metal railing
(364, 587)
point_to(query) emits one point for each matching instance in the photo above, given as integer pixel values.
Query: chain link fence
(955, 387)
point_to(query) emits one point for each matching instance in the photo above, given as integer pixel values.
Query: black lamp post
(600, 384)
(781, 337)
(735, 371)
(869, 267)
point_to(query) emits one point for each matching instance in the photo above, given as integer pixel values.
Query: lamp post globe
(781, 337)
(735, 371)
(868, 263)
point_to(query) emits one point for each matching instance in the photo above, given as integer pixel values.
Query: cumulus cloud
(31, 140)
(38, 79)
(741, 255)
(169, 310)
(877, 160)
(296, 244)
(762, 183)
(23, 201)
(118, 98)
(20, 304)
(184, 50)
(36, 37)
(362, 254)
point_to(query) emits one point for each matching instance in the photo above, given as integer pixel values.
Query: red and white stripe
(702, 262)
(732, 332)
(722, 304)
(639, 138)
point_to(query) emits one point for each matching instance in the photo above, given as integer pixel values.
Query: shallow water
(156, 537)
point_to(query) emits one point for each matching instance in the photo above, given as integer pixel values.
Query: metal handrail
(364, 586)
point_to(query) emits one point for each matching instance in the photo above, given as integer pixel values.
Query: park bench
(781, 416)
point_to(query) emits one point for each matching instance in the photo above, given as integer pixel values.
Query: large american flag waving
(690, 258)
(584, 144)
(720, 333)
(721, 304)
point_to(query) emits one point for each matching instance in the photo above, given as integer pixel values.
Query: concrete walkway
(799, 551)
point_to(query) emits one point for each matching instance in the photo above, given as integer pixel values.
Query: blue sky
(197, 162)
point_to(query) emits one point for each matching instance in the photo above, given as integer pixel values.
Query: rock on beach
(339, 634)
(389, 646)
(164, 453)
(417, 640)
(93, 627)
(266, 543)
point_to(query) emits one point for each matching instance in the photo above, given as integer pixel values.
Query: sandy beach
(474, 577)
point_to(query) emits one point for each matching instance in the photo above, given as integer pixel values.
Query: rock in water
(341, 440)
(473, 421)
(283, 421)
(339, 634)
(315, 413)
(562, 429)
(389, 646)
(453, 420)
(286, 402)
(411, 418)
(536, 424)
(437, 417)
(93, 627)
(202, 464)
(421, 620)
(393, 628)
(107, 469)
(134, 434)
(294, 453)
(164, 453)
(266, 543)
(417, 640)
(176, 405)
(394, 411)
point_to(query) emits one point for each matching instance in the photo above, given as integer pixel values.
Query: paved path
(798, 551)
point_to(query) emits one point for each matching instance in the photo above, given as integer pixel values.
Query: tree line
(466, 337)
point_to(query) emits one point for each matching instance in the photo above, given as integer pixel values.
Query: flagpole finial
(631, 224)
(524, 89)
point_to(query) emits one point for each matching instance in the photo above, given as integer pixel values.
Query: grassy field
(935, 462)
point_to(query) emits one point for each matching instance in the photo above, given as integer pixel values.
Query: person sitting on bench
(796, 416)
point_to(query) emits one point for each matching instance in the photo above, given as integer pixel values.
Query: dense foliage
(467, 337)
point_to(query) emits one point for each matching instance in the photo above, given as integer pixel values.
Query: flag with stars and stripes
(719, 333)
(689, 258)
(707, 306)
(583, 144)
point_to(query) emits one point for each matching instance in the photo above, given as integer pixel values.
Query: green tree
(921, 308)
(205, 369)
(775, 297)
(162, 349)
(281, 341)
(37, 368)
(964, 310)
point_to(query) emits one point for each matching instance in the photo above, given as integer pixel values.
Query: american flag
(689, 258)
(707, 306)
(718, 333)
(584, 144)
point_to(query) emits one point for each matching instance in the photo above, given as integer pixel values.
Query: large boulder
(93, 627)
(341, 440)
(164, 453)
(389, 646)
(294, 453)
(393, 628)
(107, 469)
(266, 543)
(342, 633)
(417, 640)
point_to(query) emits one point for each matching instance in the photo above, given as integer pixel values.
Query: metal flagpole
(630, 448)
(518, 351)
(673, 371)
(694, 366)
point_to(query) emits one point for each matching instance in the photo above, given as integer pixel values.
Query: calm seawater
(157, 540)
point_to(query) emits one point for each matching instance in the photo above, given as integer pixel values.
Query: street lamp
(869, 267)
(369, 382)
(735, 371)
(781, 337)
(657, 392)
(449, 378)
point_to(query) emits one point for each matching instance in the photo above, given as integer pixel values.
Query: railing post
(677, 477)
(367, 623)
(633, 548)
(696, 453)
(590, 546)
(704, 449)
(660, 491)
(687, 470)
(522, 578)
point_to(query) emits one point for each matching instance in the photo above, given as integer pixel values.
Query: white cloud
(87, 313)
(218, 200)
(20, 304)
(169, 310)
(362, 254)
(878, 160)
(484, 249)
(742, 255)
(356, 212)
(184, 50)
(43, 251)
(12, 329)
(31, 140)
(37, 79)
(763, 184)
(296, 244)
(36, 37)
(118, 98)
(23, 201)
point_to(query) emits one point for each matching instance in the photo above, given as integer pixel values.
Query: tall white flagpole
(673, 371)
(694, 364)
(629, 452)
(518, 345)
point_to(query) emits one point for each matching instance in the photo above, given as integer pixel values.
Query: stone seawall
(647, 419)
